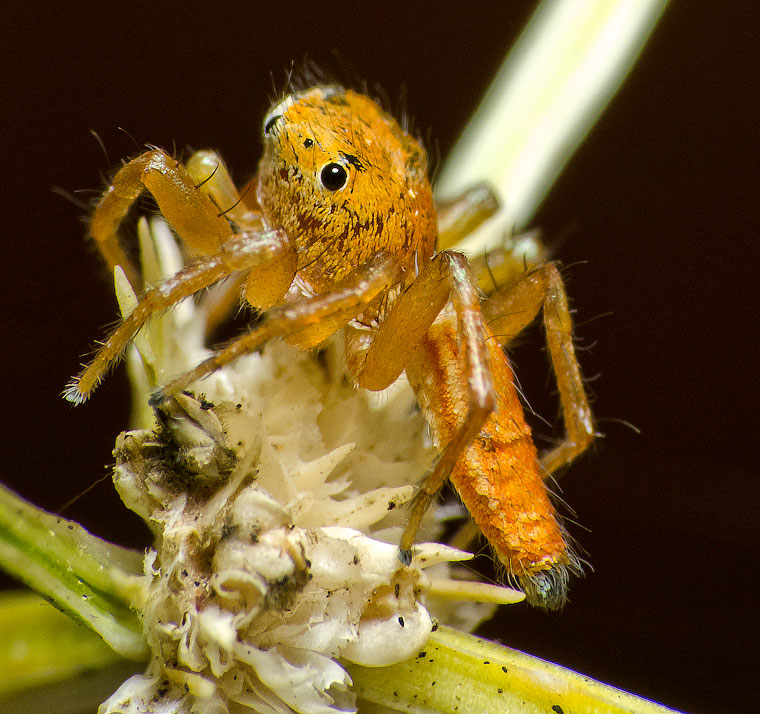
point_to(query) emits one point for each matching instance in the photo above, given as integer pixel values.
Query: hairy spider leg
(462, 214)
(377, 359)
(270, 250)
(211, 175)
(188, 209)
(510, 310)
(297, 319)
(523, 283)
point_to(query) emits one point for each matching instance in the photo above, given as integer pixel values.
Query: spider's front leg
(188, 198)
(376, 360)
(305, 322)
(268, 254)
(510, 310)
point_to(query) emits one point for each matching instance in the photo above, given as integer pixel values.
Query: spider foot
(72, 393)
(405, 556)
(157, 399)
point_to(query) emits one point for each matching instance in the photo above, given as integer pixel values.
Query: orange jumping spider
(339, 232)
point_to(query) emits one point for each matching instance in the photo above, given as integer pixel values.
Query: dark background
(660, 205)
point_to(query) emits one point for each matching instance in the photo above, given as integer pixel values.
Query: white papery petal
(299, 677)
(382, 642)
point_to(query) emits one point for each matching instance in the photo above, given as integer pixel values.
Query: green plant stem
(91, 580)
(460, 673)
(41, 646)
(567, 65)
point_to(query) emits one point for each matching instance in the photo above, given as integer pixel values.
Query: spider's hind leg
(511, 309)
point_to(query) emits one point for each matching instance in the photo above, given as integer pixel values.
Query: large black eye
(333, 177)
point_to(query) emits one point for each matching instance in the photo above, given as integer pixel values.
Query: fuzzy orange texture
(498, 477)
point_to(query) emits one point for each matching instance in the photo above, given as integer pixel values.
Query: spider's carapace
(338, 231)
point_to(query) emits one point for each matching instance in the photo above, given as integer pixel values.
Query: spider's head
(344, 180)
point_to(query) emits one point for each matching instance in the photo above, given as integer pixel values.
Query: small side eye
(333, 177)
(271, 122)
(307, 143)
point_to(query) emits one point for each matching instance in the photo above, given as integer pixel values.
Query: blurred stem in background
(565, 68)
(563, 71)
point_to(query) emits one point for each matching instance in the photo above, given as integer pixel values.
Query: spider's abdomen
(498, 477)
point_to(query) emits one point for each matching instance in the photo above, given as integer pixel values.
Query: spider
(338, 231)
